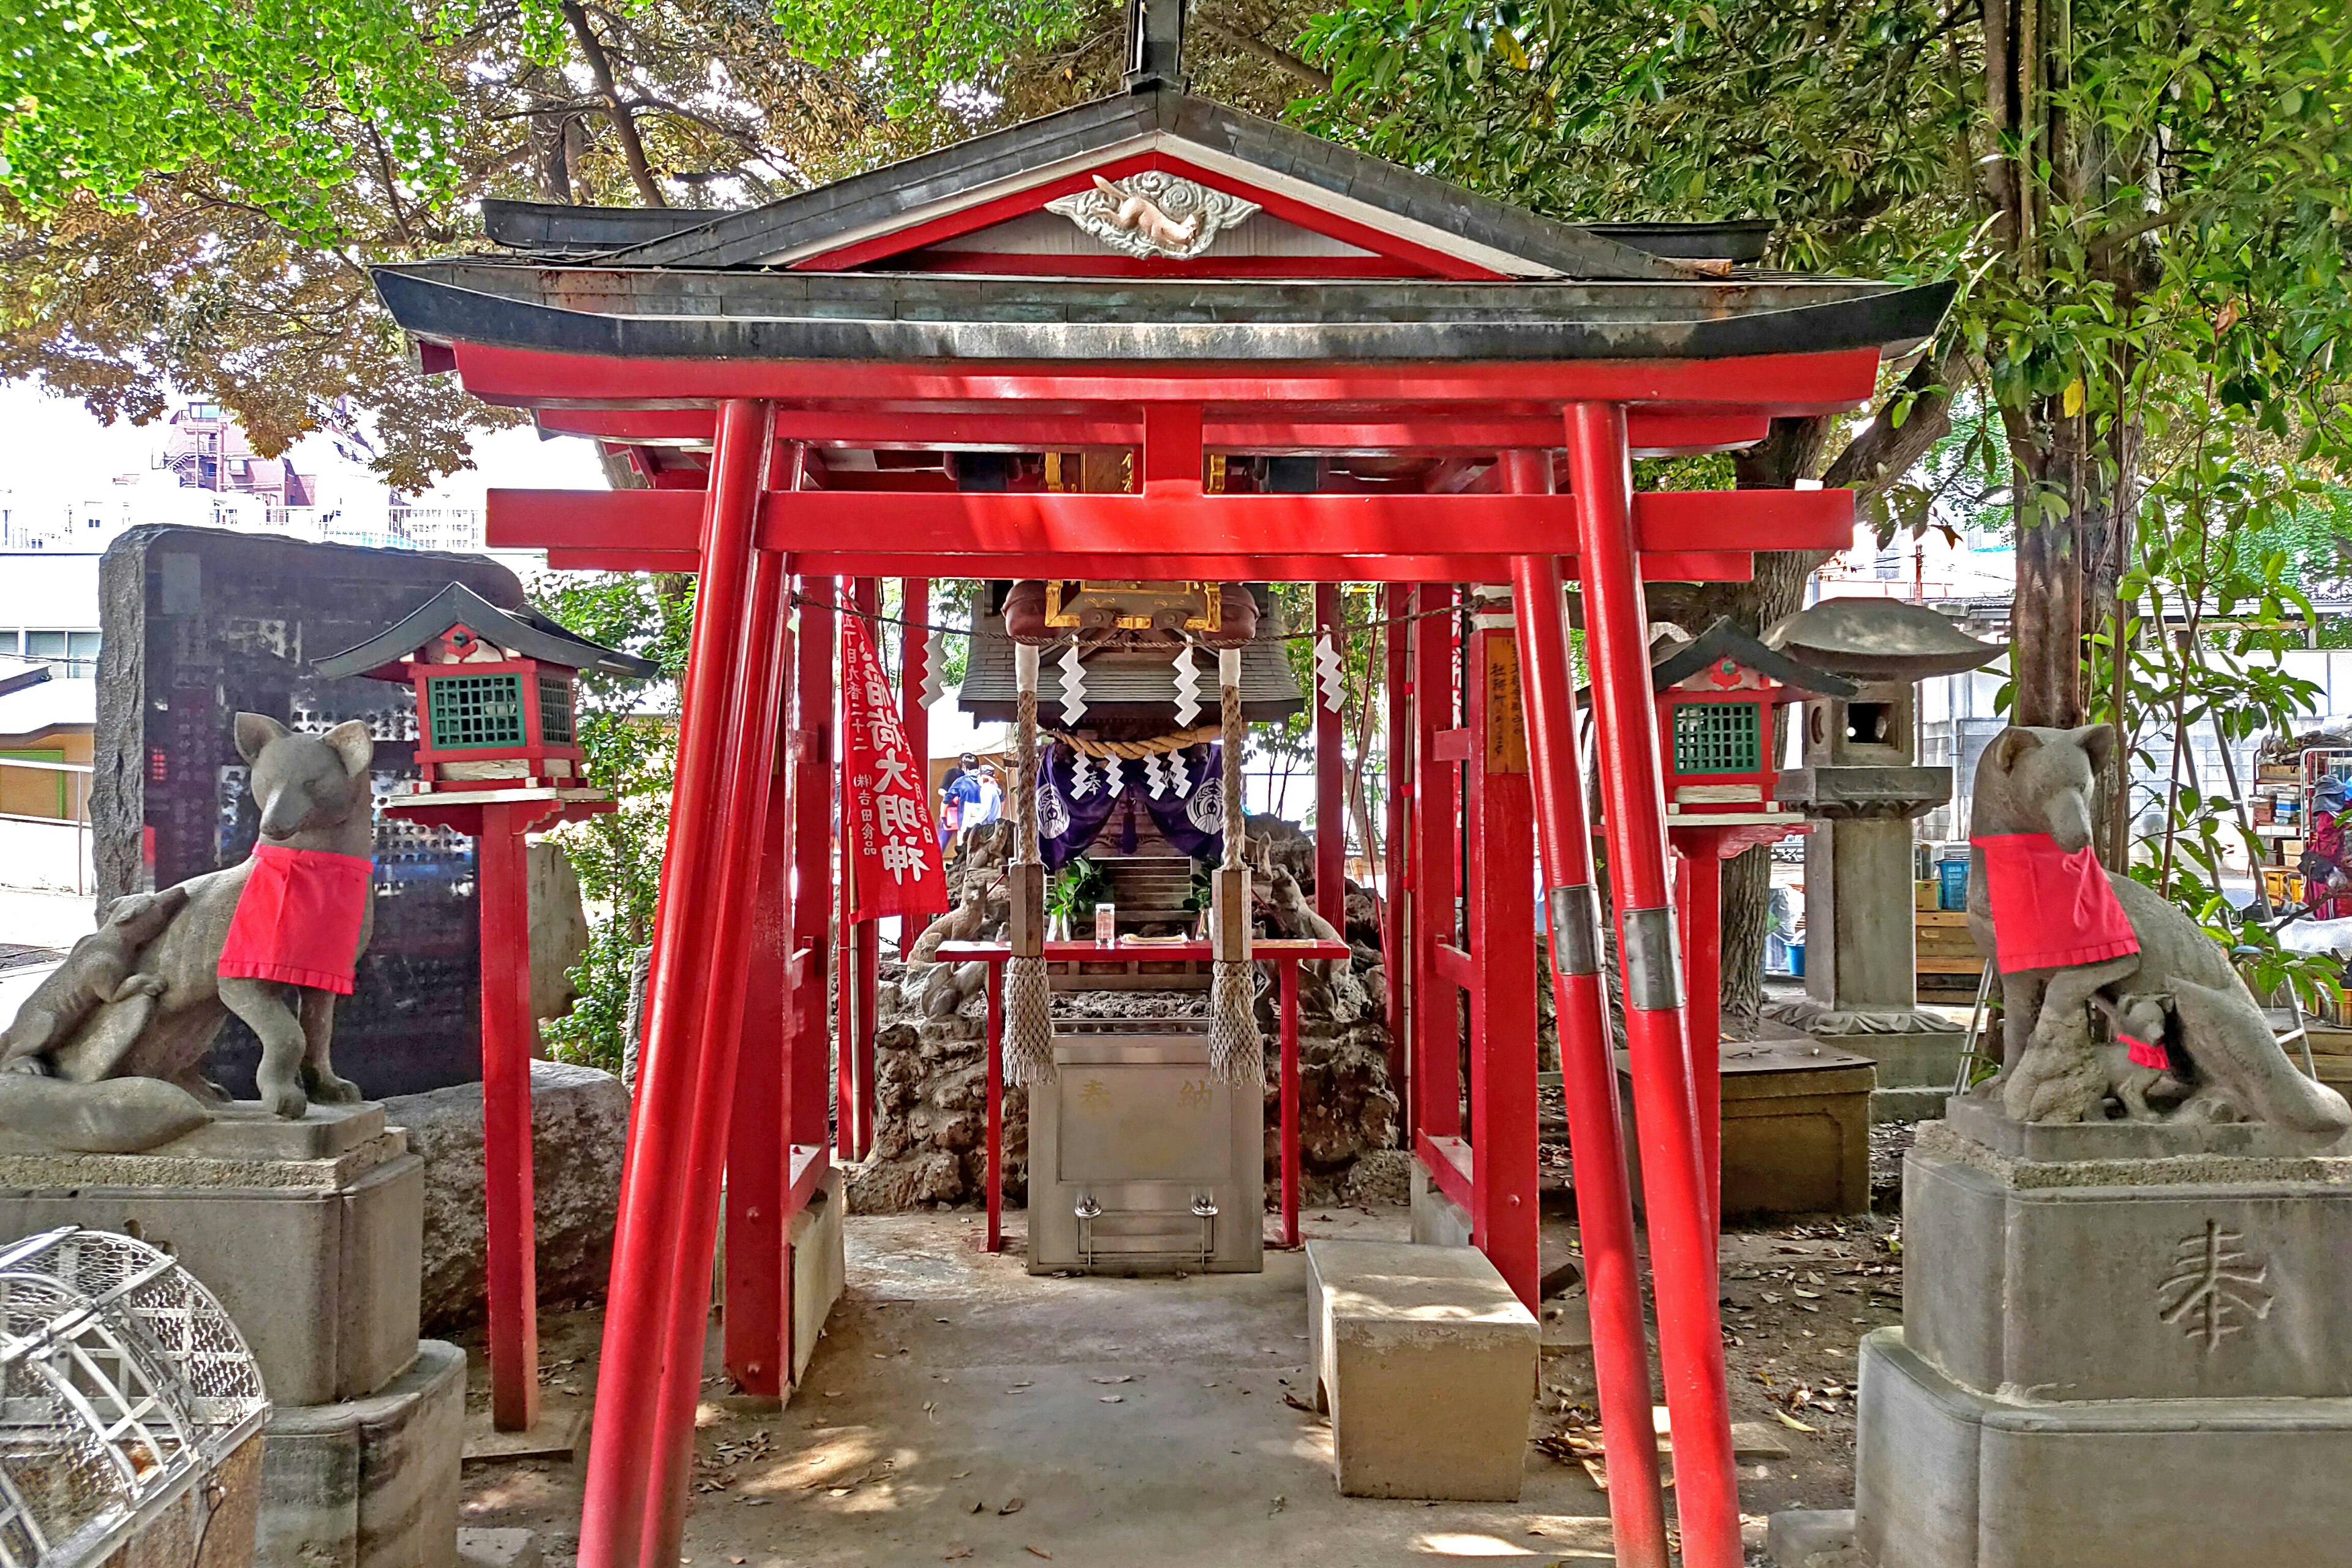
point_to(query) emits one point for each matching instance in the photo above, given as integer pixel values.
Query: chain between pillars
(1682, 1236)
(674, 1077)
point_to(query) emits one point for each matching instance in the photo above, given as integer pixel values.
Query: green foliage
(2267, 968)
(2144, 203)
(628, 734)
(1077, 889)
(98, 96)
(919, 50)
(2210, 604)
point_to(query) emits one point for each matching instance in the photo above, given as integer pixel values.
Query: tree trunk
(624, 118)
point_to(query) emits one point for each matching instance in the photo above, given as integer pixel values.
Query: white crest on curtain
(1052, 812)
(1206, 810)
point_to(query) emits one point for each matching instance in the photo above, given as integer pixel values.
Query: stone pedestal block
(373, 1483)
(2192, 1276)
(2122, 1344)
(1427, 1363)
(1438, 1220)
(819, 1269)
(1796, 1128)
(307, 1231)
(1950, 1477)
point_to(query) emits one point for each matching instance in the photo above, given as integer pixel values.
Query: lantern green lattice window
(476, 713)
(1718, 738)
(556, 707)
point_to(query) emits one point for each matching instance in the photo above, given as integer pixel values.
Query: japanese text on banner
(896, 864)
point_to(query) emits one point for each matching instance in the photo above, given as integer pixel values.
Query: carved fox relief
(1154, 215)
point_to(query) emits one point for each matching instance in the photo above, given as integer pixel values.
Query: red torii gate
(754, 368)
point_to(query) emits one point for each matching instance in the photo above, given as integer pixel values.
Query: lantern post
(497, 754)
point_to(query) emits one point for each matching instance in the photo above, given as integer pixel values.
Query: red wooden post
(847, 1120)
(812, 838)
(1331, 776)
(860, 971)
(1682, 1240)
(759, 1137)
(1436, 823)
(1396, 603)
(1701, 885)
(508, 1033)
(1286, 969)
(1596, 1135)
(1502, 948)
(648, 1266)
(914, 663)
(749, 768)
(995, 1108)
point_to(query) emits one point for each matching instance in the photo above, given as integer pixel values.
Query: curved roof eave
(903, 320)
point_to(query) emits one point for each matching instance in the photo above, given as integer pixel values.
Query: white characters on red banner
(897, 867)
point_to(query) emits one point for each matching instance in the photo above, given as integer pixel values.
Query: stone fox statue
(99, 970)
(159, 1022)
(1334, 989)
(2034, 789)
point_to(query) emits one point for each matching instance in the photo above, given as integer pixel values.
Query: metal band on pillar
(1028, 1004)
(1236, 1051)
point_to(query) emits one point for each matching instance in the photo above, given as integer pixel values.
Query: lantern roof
(1673, 662)
(1881, 639)
(523, 631)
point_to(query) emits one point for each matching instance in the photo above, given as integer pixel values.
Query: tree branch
(624, 124)
(1885, 451)
(1258, 50)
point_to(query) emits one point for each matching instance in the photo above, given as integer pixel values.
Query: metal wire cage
(122, 1385)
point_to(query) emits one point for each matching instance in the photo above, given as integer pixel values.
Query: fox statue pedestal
(310, 1231)
(2122, 1344)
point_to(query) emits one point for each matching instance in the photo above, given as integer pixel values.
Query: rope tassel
(1028, 1002)
(1237, 1052)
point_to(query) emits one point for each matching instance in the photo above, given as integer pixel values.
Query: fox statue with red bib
(274, 939)
(2067, 934)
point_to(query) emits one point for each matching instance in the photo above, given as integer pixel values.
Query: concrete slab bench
(1426, 1363)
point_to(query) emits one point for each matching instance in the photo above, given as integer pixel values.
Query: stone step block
(1427, 1363)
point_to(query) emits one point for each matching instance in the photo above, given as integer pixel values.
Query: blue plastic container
(1952, 884)
(1797, 960)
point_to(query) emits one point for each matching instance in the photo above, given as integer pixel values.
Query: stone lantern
(1862, 781)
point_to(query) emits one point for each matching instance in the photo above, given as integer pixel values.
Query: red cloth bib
(299, 919)
(2051, 909)
(2143, 1054)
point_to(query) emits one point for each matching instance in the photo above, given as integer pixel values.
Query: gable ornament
(1154, 215)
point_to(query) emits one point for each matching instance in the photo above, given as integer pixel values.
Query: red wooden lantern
(495, 691)
(1716, 697)
(497, 747)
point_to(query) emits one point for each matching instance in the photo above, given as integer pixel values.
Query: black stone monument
(199, 624)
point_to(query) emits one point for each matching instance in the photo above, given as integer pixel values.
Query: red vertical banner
(893, 845)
